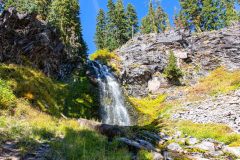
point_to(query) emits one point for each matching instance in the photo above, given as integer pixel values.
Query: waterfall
(113, 110)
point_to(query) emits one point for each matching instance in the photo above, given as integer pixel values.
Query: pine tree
(162, 20)
(42, 7)
(100, 35)
(191, 9)
(21, 5)
(172, 72)
(231, 14)
(155, 21)
(132, 21)
(203, 15)
(111, 40)
(148, 22)
(120, 22)
(145, 25)
(211, 15)
(64, 15)
(180, 21)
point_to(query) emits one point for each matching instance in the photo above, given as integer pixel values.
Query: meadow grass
(68, 140)
(218, 132)
(219, 81)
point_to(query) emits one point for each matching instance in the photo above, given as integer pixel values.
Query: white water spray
(114, 111)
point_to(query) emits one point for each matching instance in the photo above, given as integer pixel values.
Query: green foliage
(119, 25)
(21, 5)
(29, 127)
(156, 21)
(145, 155)
(208, 14)
(120, 22)
(76, 98)
(85, 144)
(7, 98)
(100, 35)
(64, 15)
(132, 21)
(172, 72)
(81, 98)
(148, 106)
(219, 81)
(108, 58)
(180, 21)
(215, 131)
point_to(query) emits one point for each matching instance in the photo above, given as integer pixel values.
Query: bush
(103, 56)
(107, 58)
(7, 98)
(172, 72)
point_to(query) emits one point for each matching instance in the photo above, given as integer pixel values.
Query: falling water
(113, 109)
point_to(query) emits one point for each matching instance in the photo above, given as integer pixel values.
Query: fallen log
(105, 129)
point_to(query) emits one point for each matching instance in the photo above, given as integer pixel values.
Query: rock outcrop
(223, 109)
(25, 40)
(145, 57)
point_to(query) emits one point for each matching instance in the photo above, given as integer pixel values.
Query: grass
(148, 106)
(218, 82)
(30, 127)
(7, 98)
(75, 98)
(218, 132)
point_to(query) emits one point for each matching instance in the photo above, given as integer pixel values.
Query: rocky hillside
(144, 58)
(26, 40)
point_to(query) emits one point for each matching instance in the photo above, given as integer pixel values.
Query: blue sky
(89, 10)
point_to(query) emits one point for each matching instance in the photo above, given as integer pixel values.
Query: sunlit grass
(218, 132)
(67, 138)
(151, 107)
(219, 81)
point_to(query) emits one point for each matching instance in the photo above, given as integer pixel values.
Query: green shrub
(172, 72)
(107, 58)
(7, 98)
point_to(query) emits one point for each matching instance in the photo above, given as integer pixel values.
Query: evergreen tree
(180, 21)
(145, 25)
(21, 5)
(161, 19)
(211, 15)
(203, 15)
(191, 9)
(172, 72)
(100, 35)
(231, 14)
(64, 15)
(155, 21)
(120, 22)
(111, 40)
(132, 21)
(42, 7)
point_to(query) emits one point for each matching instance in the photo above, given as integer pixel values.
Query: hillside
(160, 94)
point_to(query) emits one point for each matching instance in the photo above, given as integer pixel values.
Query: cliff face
(145, 57)
(25, 40)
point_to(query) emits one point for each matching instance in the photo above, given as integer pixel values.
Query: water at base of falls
(114, 111)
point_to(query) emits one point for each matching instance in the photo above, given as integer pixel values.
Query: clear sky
(89, 10)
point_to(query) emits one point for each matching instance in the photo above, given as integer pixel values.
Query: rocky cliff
(26, 40)
(144, 58)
